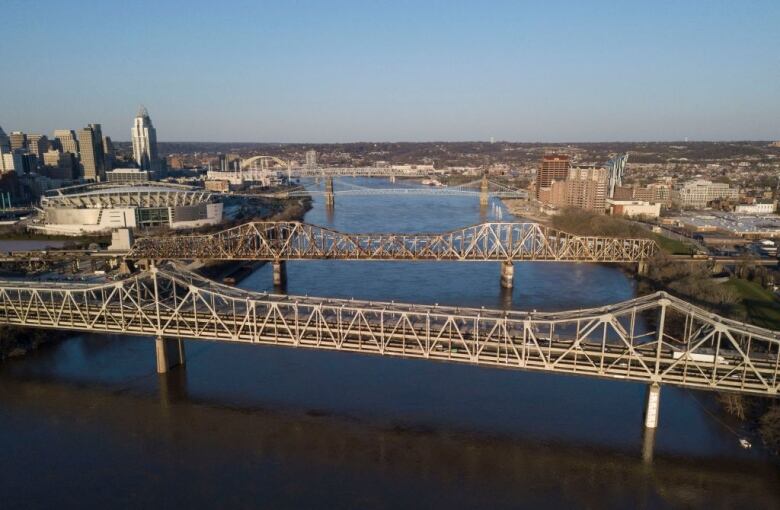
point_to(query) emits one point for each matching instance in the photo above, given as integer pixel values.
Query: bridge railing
(655, 338)
(482, 242)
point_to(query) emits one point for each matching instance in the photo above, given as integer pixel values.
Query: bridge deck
(655, 338)
(486, 241)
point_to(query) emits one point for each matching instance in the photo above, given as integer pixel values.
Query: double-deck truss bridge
(655, 338)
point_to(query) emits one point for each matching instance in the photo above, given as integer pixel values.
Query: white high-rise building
(144, 138)
(311, 158)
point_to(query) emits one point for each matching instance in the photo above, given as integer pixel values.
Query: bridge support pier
(330, 197)
(652, 406)
(170, 352)
(392, 178)
(280, 272)
(507, 274)
(642, 268)
(648, 444)
(483, 191)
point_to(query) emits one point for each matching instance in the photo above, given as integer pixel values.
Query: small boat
(744, 443)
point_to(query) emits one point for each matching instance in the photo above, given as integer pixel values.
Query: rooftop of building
(732, 222)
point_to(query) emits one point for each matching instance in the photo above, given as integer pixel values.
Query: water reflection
(246, 426)
(372, 467)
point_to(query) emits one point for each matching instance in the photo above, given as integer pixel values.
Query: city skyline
(562, 72)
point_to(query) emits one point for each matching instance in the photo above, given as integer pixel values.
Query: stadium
(98, 209)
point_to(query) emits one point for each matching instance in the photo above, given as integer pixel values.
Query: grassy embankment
(756, 304)
(739, 298)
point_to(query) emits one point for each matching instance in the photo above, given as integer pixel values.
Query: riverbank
(16, 342)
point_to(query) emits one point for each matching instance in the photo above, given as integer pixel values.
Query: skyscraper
(92, 156)
(18, 140)
(38, 145)
(144, 138)
(552, 168)
(67, 140)
(5, 141)
(108, 151)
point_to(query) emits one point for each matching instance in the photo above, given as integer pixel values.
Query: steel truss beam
(482, 242)
(655, 338)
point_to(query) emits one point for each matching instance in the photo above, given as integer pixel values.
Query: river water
(87, 422)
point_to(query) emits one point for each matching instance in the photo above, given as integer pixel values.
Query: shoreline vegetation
(741, 297)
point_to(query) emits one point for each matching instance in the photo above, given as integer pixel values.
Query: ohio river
(87, 422)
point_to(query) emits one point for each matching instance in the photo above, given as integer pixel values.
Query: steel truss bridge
(655, 338)
(294, 240)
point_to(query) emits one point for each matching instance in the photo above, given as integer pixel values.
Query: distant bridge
(655, 339)
(475, 188)
(363, 171)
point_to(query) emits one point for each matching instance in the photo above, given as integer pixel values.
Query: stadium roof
(128, 196)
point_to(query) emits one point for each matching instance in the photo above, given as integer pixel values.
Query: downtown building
(66, 141)
(144, 139)
(93, 158)
(585, 187)
(552, 168)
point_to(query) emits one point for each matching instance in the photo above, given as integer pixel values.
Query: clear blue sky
(363, 70)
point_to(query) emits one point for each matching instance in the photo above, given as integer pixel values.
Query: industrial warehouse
(95, 209)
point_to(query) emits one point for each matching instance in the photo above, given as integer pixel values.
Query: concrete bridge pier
(507, 274)
(642, 267)
(648, 444)
(170, 352)
(280, 272)
(330, 197)
(483, 191)
(392, 178)
(652, 407)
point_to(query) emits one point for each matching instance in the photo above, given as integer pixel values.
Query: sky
(371, 70)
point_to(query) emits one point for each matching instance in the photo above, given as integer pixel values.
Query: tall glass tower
(144, 138)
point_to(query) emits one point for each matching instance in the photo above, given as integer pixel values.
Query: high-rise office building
(24, 162)
(311, 159)
(18, 140)
(5, 141)
(60, 165)
(38, 145)
(92, 156)
(67, 141)
(144, 138)
(108, 150)
(552, 168)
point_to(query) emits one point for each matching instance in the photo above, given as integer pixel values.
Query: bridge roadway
(656, 339)
(292, 240)
(440, 190)
(365, 171)
(479, 188)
